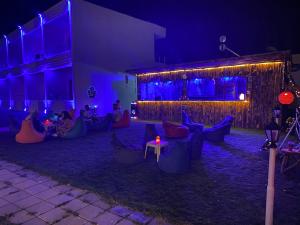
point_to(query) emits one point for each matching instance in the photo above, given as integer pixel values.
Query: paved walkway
(30, 199)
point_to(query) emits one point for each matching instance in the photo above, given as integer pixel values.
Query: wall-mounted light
(242, 97)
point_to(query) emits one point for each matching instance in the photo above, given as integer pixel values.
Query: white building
(51, 61)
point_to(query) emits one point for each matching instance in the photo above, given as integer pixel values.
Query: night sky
(194, 26)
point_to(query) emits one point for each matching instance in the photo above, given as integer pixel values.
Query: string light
(210, 68)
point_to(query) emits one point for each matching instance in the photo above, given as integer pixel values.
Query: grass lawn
(227, 186)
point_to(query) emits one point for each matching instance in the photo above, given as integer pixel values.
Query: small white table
(157, 147)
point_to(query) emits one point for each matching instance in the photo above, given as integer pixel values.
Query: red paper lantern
(286, 97)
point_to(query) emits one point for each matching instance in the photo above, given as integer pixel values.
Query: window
(161, 90)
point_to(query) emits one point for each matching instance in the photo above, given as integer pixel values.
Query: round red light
(286, 97)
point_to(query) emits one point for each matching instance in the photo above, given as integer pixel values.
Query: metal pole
(270, 188)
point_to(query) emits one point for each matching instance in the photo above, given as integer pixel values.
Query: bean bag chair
(186, 121)
(195, 144)
(124, 122)
(175, 131)
(102, 125)
(176, 158)
(215, 134)
(225, 124)
(79, 129)
(28, 135)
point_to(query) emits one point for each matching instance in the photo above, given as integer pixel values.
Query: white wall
(110, 86)
(111, 40)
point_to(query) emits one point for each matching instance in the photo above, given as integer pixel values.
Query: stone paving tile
(121, 211)
(75, 192)
(72, 220)
(101, 204)
(53, 215)
(21, 217)
(8, 209)
(89, 212)
(60, 199)
(13, 167)
(64, 205)
(51, 183)
(26, 184)
(49, 193)
(7, 190)
(62, 188)
(140, 218)
(75, 205)
(27, 202)
(90, 198)
(17, 180)
(40, 208)
(125, 222)
(17, 196)
(8, 176)
(3, 202)
(36, 189)
(35, 221)
(107, 218)
(3, 184)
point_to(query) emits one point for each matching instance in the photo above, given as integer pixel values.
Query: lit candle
(157, 140)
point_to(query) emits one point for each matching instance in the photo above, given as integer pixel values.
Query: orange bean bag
(28, 135)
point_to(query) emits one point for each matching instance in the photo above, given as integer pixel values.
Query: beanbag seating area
(28, 135)
(79, 129)
(186, 121)
(124, 122)
(226, 124)
(175, 131)
(176, 158)
(195, 144)
(99, 126)
(217, 132)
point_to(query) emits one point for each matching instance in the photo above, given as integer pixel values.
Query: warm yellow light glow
(210, 68)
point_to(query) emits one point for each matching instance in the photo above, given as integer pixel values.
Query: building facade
(53, 60)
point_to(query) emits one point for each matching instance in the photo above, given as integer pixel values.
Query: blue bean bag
(186, 121)
(196, 144)
(176, 158)
(79, 129)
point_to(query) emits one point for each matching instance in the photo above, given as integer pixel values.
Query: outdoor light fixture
(45, 111)
(242, 96)
(272, 133)
(276, 114)
(223, 46)
(133, 110)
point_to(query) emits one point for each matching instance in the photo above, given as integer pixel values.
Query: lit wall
(109, 87)
(112, 40)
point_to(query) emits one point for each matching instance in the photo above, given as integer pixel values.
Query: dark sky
(194, 26)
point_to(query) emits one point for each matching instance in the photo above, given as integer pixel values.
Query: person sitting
(64, 125)
(87, 113)
(117, 114)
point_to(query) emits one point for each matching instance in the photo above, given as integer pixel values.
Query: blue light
(45, 111)
(69, 6)
(25, 109)
(156, 83)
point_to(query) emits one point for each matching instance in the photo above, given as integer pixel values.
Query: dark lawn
(226, 187)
